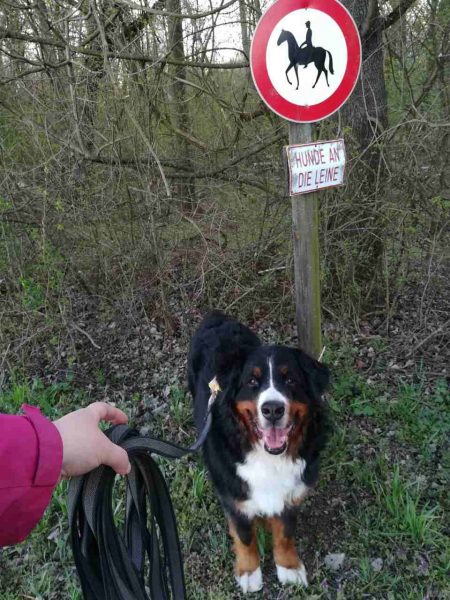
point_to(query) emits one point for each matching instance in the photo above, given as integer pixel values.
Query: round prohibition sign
(305, 58)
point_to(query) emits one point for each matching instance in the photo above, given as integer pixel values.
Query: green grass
(52, 400)
(382, 495)
(180, 407)
(402, 512)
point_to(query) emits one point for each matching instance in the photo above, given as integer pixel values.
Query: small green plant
(218, 541)
(424, 418)
(406, 516)
(365, 570)
(263, 538)
(180, 408)
(33, 294)
(100, 376)
(198, 483)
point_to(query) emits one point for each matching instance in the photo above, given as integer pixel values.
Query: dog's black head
(274, 392)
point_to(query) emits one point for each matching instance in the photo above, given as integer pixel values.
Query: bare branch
(163, 13)
(396, 14)
(367, 24)
(17, 35)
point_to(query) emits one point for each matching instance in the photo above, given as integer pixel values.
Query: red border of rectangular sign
(326, 187)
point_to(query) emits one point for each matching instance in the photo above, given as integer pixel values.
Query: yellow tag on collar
(214, 386)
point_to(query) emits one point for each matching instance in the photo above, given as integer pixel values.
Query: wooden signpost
(305, 60)
(305, 231)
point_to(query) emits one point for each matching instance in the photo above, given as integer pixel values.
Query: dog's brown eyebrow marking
(257, 372)
(284, 370)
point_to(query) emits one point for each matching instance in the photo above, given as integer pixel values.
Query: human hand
(85, 446)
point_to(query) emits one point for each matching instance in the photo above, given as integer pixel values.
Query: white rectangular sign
(315, 166)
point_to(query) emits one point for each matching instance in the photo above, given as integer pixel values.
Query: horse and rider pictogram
(317, 40)
(305, 54)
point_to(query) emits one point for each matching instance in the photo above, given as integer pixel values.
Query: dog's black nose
(272, 410)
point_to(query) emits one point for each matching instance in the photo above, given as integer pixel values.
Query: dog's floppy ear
(231, 354)
(316, 373)
(229, 362)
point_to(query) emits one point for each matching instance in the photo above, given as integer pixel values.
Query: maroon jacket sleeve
(30, 466)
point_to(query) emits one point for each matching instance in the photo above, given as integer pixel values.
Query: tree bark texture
(185, 190)
(366, 110)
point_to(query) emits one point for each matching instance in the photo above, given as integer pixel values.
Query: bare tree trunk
(366, 111)
(94, 74)
(185, 190)
(244, 27)
(50, 55)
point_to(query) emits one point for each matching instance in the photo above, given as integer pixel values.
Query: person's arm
(35, 453)
(30, 466)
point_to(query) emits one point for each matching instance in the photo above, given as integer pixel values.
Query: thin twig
(78, 328)
(427, 338)
(272, 269)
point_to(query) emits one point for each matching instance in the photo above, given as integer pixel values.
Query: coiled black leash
(144, 563)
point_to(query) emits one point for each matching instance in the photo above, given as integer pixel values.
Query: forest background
(142, 182)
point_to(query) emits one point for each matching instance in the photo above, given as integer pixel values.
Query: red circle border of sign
(263, 31)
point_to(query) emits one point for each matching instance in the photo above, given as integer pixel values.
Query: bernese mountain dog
(268, 428)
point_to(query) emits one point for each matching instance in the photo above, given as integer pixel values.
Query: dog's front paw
(297, 576)
(250, 581)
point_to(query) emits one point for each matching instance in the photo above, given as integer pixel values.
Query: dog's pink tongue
(274, 438)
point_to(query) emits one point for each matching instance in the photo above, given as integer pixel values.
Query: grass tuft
(406, 516)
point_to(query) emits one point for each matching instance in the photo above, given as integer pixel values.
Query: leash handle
(111, 565)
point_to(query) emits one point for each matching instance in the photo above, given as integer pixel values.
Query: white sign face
(314, 37)
(315, 166)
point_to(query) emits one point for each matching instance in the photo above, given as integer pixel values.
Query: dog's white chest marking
(273, 481)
